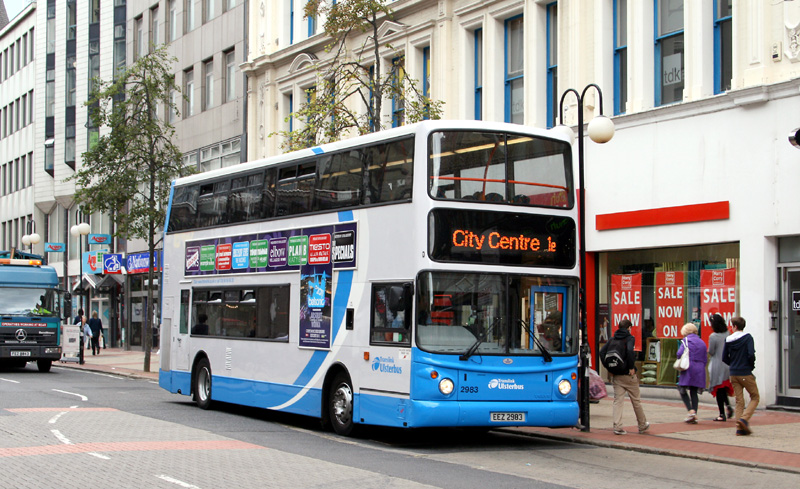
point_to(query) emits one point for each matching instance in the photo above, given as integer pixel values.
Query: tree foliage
(355, 74)
(127, 172)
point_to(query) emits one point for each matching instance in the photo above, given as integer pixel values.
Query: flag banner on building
(717, 296)
(55, 247)
(670, 304)
(99, 239)
(112, 263)
(140, 262)
(93, 261)
(626, 303)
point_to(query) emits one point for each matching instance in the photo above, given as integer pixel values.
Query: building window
(290, 107)
(230, 76)
(49, 156)
(552, 64)
(138, 38)
(514, 71)
(94, 11)
(478, 74)
(312, 26)
(669, 51)
(50, 30)
(72, 13)
(620, 56)
(172, 21)
(208, 84)
(188, 92)
(291, 21)
(188, 11)
(154, 37)
(426, 80)
(208, 10)
(398, 101)
(723, 50)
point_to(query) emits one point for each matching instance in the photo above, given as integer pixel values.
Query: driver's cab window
(390, 314)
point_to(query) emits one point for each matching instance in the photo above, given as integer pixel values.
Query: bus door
(179, 334)
(388, 369)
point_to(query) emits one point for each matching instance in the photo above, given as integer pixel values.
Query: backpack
(614, 358)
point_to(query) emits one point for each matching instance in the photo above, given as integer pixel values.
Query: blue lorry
(30, 312)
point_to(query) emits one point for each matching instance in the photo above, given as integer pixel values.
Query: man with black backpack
(618, 357)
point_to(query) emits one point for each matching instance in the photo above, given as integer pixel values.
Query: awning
(108, 282)
(89, 281)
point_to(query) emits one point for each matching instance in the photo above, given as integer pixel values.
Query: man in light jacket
(740, 354)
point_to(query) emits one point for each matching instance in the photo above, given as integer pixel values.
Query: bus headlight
(446, 386)
(564, 387)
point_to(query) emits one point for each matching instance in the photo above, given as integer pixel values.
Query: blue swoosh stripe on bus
(343, 286)
(317, 150)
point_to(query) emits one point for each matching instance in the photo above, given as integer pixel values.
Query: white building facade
(699, 178)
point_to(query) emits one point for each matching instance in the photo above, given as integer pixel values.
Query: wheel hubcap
(343, 404)
(203, 384)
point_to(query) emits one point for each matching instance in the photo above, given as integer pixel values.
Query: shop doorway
(790, 335)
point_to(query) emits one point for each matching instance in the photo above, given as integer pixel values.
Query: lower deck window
(258, 313)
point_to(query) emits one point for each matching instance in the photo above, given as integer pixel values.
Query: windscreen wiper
(478, 341)
(545, 353)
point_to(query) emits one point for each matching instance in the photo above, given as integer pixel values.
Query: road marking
(177, 482)
(55, 418)
(98, 455)
(9, 380)
(63, 439)
(83, 398)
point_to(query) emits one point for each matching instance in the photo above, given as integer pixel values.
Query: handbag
(682, 363)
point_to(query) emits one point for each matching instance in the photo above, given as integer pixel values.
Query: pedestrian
(692, 381)
(625, 382)
(77, 319)
(718, 371)
(739, 354)
(96, 326)
(87, 331)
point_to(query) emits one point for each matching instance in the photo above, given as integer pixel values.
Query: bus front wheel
(340, 405)
(202, 384)
(44, 365)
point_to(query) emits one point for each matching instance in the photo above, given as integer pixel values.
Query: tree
(127, 172)
(355, 74)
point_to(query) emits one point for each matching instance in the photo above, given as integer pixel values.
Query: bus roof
(387, 134)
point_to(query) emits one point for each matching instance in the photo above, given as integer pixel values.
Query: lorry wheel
(44, 365)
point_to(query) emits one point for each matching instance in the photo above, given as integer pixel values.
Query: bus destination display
(502, 238)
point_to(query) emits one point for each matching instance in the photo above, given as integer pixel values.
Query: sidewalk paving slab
(773, 445)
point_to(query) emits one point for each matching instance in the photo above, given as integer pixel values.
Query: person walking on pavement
(692, 381)
(87, 331)
(718, 372)
(97, 329)
(740, 355)
(626, 383)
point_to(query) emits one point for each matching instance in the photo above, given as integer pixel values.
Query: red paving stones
(130, 446)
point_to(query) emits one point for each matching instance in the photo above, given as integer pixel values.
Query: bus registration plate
(505, 417)
(20, 353)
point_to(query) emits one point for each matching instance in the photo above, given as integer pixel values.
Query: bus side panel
(175, 381)
(266, 395)
(381, 410)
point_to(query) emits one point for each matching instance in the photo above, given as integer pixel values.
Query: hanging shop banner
(670, 304)
(99, 239)
(93, 261)
(112, 263)
(717, 296)
(140, 262)
(626, 303)
(55, 247)
(278, 251)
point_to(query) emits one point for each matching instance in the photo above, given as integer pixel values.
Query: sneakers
(691, 418)
(743, 426)
(620, 432)
(644, 430)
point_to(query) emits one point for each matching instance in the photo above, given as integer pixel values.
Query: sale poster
(717, 296)
(626, 303)
(670, 304)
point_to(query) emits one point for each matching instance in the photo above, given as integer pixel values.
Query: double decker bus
(417, 277)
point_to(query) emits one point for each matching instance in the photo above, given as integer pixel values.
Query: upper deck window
(500, 167)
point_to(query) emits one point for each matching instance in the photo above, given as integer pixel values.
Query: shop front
(786, 321)
(137, 286)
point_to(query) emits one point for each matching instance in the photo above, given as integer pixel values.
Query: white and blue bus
(420, 276)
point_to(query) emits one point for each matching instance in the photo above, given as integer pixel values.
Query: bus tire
(340, 405)
(202, 384)
(44, 365)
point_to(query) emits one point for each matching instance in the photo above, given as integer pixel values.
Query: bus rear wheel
(340, 405)
(44, 365)
(202, 384)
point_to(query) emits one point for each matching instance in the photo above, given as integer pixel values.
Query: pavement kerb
(651, 450)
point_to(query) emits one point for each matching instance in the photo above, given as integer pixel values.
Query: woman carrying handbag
(692, 381)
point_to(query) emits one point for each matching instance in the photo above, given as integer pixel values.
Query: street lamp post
(32, 238)
(601, 130)
(78, 231)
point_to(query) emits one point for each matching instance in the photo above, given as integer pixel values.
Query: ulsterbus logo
(505, 384)
(386, 365)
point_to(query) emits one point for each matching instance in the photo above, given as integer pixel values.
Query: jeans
(740, 384)
(689, 397)
(627, 384)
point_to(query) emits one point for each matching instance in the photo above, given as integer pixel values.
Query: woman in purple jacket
(692, 381)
